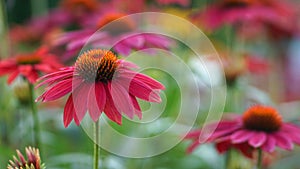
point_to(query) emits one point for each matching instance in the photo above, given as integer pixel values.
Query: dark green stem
(259, 159)
(96, 146)
(3, 30)
(36, 124)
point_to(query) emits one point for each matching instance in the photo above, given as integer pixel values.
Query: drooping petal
(137, 107)
(292, 131)
(121, 99)
(245, 149)
(54, 75)
(59, 90)
(55, 79)
(193, 134)
(257, 139)
(100, 95)
(80, 97)
(193, 146)
(221, 132)
(68, 111)
(270, 144)
(13, 76)
(96, 101)
(7, 68)
(143, 78)
(214, 131)
(223, 146)
(32, 76)
(241, 136)
(224, 124)
(282, 141)
(110, 110)
(143, 91)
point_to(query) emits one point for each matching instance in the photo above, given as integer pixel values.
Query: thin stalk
(96, 146)
(228, 156)
(259, 159)
(3, 31)
(36, 124)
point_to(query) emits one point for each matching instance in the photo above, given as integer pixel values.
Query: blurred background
(257, 41)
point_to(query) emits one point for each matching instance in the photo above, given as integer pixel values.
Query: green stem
(3, 30)
(259, 159)
(228, 159)
(36, 124)
(96, 146)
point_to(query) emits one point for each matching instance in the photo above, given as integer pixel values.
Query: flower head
(33, 160)
(100, 82)
(30, 65)
(266, 14)
(261, 118)
(259, 127)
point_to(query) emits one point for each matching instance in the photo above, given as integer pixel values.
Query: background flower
(29, 65)
(259, 127)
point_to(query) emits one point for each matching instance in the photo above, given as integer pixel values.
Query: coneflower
(33, 160)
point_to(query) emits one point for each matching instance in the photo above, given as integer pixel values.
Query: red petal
(121, 99)
(258, 139)
(13, 76)
(68, 111)
(80, 96)
(59, 90)
(136, 105)
(96, 101)
(143, 91)
(223, 146)
(110, 110)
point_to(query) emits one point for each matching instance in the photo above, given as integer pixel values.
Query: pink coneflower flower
(260, 127)
(100, 82)
(278, 14)
(33, 160)
(29, 65)
(121, 36)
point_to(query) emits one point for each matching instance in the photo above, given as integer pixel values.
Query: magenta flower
(121, 37)
(259, 127)
(100, 82)
(76, 40)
